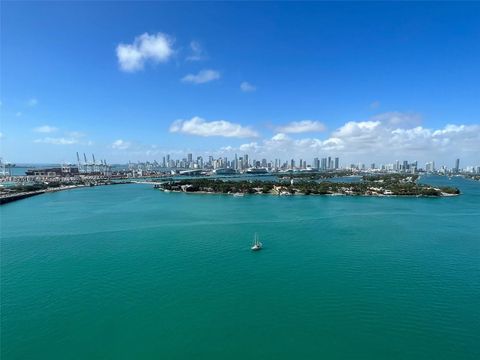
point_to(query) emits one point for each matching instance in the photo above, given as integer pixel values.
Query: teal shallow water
(128, 272)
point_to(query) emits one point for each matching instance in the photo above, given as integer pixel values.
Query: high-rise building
(316, 163)
(324, 164)
(457, 166)
(430, 167)
(200, 162)
(337, 163)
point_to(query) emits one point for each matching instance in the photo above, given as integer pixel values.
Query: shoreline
(301, 194)
(6, 199)
(23, 195)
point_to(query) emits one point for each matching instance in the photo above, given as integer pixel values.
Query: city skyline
(275, 82)
(242, 162)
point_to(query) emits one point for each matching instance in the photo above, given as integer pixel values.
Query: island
(368, 185)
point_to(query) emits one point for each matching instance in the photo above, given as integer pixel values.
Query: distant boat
(238, 194)
(257, 245)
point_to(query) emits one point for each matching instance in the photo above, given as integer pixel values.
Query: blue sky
(363, 81)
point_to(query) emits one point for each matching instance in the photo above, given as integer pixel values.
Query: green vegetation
(315, 175)
(378, 185)
(27, 188)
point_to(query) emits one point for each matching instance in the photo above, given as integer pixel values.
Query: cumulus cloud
(202, 77)
(280, 137)
(153, 48)
(385, 137)
(45, 129)
(398, 119)
(247, 87)
(121, 144)
(250, 147)
(197, 53)
(201, 127)
(303, 126)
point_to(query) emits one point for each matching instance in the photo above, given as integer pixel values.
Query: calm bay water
(129, 272)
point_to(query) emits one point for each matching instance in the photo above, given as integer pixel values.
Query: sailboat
(257, 245)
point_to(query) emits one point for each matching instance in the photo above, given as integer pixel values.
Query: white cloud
(69, 138)
(202, 77)
(121, 144)
(75, 134)
(250, 147)
(280, 137)
(154, 48)
(197, 52)
(247, 87)
(384, 140)
(303, 126)
(398, 119)
(57, 141)
(201, 127)
(32, 102)
(45, 129)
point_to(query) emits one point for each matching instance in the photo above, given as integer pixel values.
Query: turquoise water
(129, 272)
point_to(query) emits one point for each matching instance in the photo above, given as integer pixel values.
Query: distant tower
(457, 166)
(78, 162)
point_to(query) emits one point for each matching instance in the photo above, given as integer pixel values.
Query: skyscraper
(324, 163)
(457, 166)
(337, 161)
